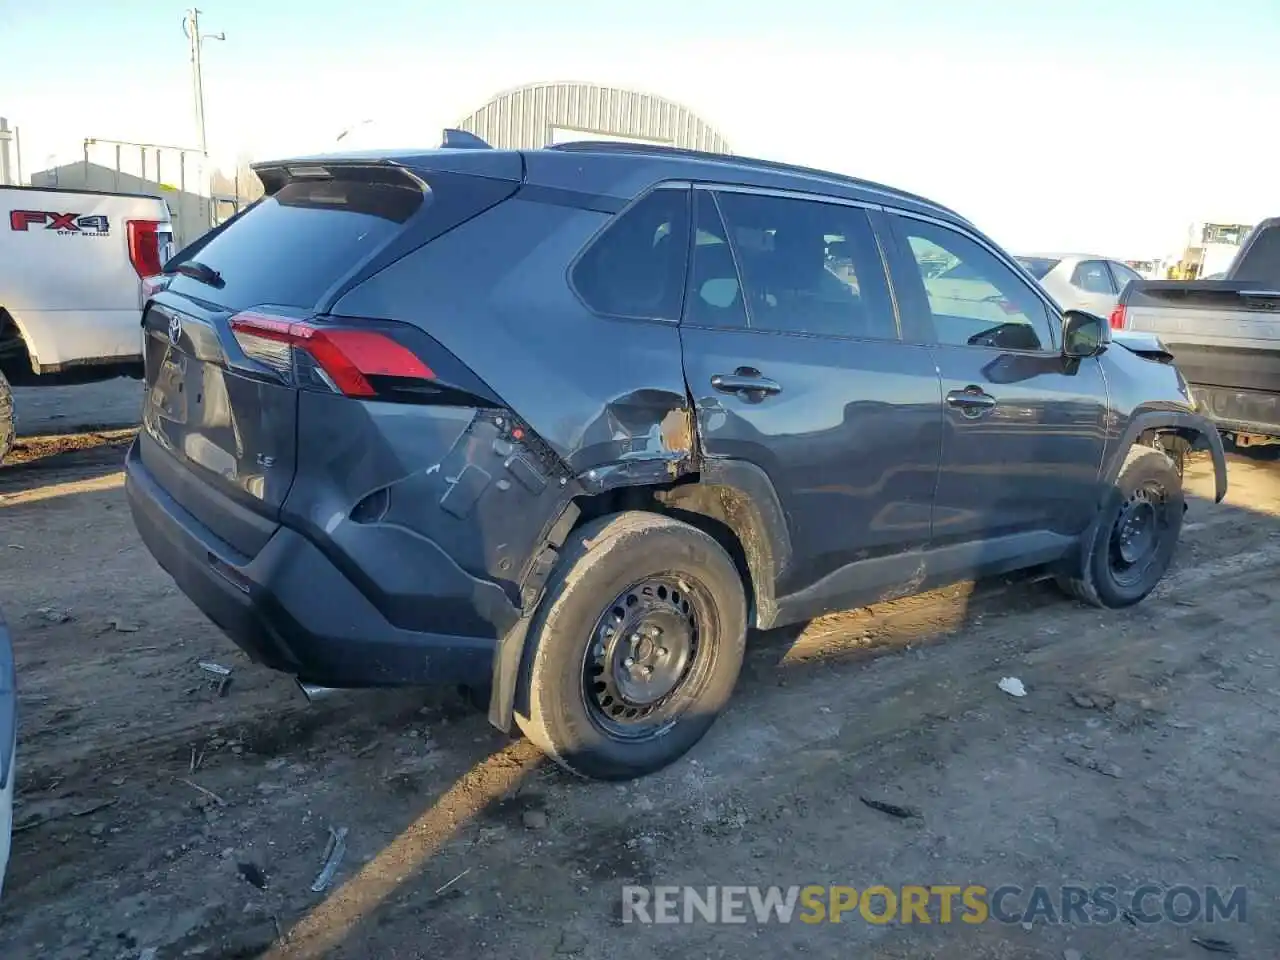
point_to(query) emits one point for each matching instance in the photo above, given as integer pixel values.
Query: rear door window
(715, 296)
(636, 266)
(1092, 276)
(1122, 275)
(1038, 267)
(809, 267)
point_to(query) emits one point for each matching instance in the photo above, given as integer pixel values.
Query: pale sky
(1099, 125)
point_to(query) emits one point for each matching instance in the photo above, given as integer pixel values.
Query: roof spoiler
(462, 140)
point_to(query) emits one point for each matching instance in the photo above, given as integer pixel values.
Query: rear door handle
(971, 401)
(752, 386)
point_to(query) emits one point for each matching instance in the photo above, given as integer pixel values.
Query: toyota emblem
(175, 330)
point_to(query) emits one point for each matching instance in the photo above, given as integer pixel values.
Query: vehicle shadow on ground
(37, 462)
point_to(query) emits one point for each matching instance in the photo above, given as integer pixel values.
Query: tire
(1117, 574)
(586, 701)
(8, 423)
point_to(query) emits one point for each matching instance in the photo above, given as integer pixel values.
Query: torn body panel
(473, 486)
(645, 437)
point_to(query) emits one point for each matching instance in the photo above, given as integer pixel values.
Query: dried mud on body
(159, 816)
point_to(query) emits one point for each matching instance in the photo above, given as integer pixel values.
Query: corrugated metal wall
(525, 117)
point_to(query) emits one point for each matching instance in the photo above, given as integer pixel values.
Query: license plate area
(169, 393)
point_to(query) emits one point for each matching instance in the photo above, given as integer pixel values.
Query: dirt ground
(158, 819)
(110, 404)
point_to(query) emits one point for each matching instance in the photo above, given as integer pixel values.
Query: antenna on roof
(462, 140)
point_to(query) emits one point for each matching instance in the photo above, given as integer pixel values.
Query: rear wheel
(637, 648)
(1136, 535)
(8, 425)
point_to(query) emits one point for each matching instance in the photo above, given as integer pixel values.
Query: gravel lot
(155, 814)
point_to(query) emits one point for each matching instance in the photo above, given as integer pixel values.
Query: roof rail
(462, 140)
(643, 149)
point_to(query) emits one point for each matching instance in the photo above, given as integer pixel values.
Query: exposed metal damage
(643, 437)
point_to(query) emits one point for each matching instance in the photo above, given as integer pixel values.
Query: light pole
(191, 27)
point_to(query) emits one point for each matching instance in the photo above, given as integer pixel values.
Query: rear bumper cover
(290, 608)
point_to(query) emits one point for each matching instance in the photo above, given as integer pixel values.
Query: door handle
(972, 401)
(751, 385)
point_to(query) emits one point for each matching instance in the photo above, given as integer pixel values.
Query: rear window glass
(1038, 267)
(1261, 261)
(295, 244)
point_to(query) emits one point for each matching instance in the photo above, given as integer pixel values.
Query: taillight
(1118, 317)
(144, 246)
(342, 359)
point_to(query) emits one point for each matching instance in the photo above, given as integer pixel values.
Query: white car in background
(1080, 281)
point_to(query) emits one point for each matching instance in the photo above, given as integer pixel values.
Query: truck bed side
(67, 278)
(1225, 338)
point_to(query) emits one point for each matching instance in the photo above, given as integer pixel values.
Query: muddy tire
(8, 423)
(1136, 534)
(636, 648)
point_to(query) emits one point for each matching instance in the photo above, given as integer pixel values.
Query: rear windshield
(1038, 267)
(294, 245)
(1261, 260)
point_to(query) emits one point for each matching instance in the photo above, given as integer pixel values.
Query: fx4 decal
(64, 223)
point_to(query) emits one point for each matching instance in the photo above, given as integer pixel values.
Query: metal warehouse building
(539, 114)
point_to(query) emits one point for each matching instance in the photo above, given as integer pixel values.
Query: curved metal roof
(538, 114)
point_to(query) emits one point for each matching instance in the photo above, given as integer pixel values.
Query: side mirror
(1084, 334)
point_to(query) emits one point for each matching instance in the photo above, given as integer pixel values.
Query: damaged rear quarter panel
(436, 512)
(606, 395)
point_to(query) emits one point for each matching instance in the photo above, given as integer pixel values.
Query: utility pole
(6, 176)
(191, 27)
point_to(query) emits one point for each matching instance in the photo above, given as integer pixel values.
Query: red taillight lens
(1118, 318)
(344, 358)
(144, 246)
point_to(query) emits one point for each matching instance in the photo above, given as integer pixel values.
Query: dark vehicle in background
(1224, 335)
(561, 425)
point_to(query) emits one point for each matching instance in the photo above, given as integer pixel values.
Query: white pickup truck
(72, 264)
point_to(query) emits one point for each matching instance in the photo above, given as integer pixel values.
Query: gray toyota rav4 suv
(560, 425)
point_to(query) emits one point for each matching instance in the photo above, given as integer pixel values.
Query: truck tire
(636, 648)
(1136, 534)
(8, 423)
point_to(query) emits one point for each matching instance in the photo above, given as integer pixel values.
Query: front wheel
(636, 649)
(1136, 535)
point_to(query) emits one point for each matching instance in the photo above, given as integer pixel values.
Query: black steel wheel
(636, 646)
(1136, 535)
(1137, 532)
(642, 669)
